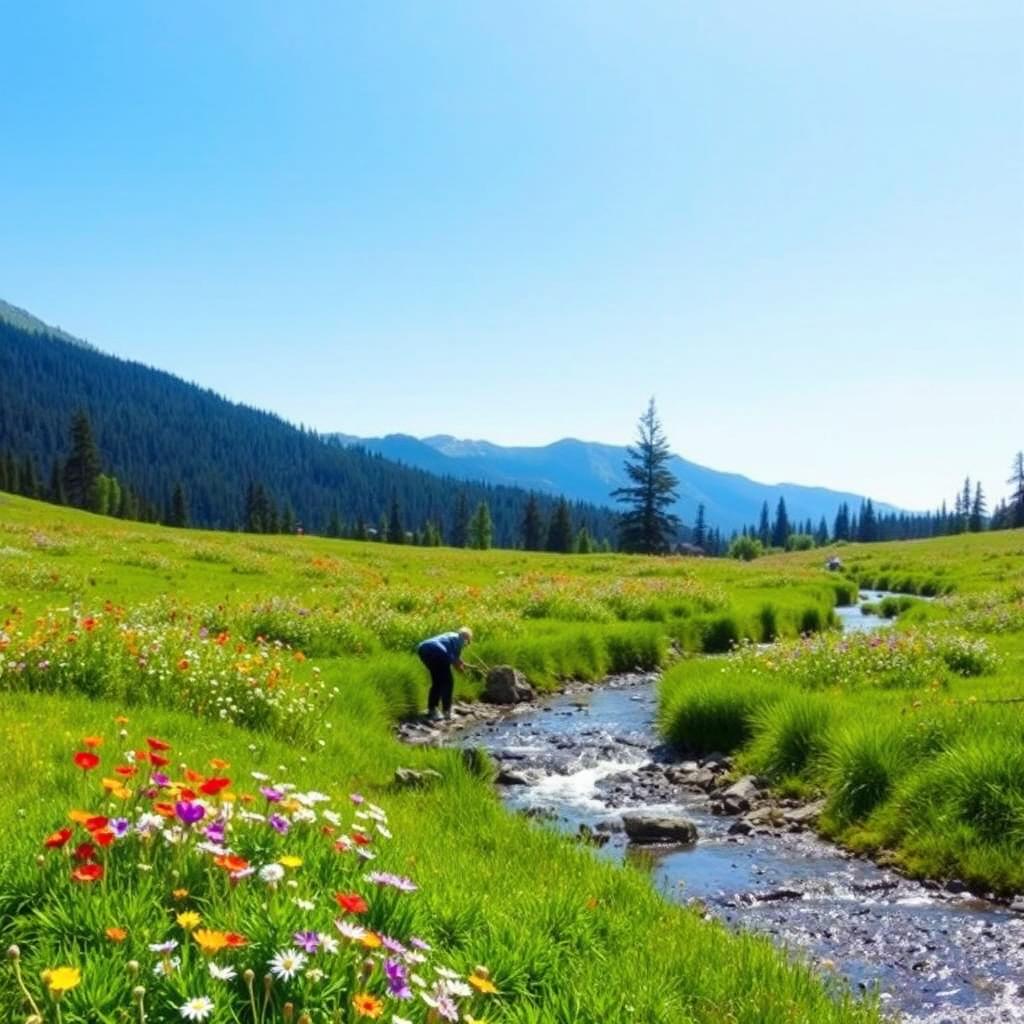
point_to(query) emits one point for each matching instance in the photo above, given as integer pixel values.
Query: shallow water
(934, 957)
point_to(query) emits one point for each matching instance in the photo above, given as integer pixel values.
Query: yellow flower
(189, 919)
(180, 894)
(290, 861)
(482, 983)
(62, 979)
(209, 941)
(371, 940)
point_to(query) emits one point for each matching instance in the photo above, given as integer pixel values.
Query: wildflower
(272, 795)
(62, 979)
(371, 940)
(86, 760)
(88, 873)
(398, 979)
(480, 979)
(351, 902)
(290, 861)
(302, 904)
(116, 934)
(308, 942)
(279, 824)
(227, 973)
(367, 1005)
(179, 894)
(57, 839)
(189, 812)
(353, 932)
(188, 920)
(211, 787)
(328, 943)
(183, 665)
(218, 764)
(286, 964)
(399, 882)
(271, 874)
(315, 974)
(231, 862)
(92, 742)
(167, 966)
(155, 744)
(120, 827)
(197, 1008)
(235, 941)
(168, 946)
(209, 941)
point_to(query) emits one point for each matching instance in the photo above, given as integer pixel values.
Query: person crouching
(439, 654)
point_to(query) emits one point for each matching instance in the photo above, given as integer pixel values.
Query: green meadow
(184, 662)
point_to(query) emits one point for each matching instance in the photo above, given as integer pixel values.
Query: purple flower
(446, 1007)
(307, 941)
(399, 882)
(273, 795)
(393, 945)
(120, 826)
(203, 632)
(356, 798)
(159, 779)
(419, 944)
(189, 812)
(398, 979)
(215, 832)
(279, 824)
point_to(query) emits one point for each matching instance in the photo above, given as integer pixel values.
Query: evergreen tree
(334, 523)
(841, 528)
(288, 524)
(583, 545)
(179, 507)
(560, 528)
(395, 530)
(867, 529)
(382, 528)
(764, 529)
(780, 528)
(821, 534)
(101, 500)
(1016, 482)
(460, 521)
(359, 531)
(700, 528)
(648, 526)
(481, 529)
(82, 468)
(978, 509)
(532, 528)
(29, 478)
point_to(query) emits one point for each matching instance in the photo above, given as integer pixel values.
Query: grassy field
(199, 810)
(915, 735)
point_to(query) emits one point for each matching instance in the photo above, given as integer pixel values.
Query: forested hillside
(155, 432)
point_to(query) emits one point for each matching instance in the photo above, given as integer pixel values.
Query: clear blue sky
(799, 225)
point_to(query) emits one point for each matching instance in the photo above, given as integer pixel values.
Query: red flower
(127, 770)
(86, 760)
(351, 902)
(88, 873)
(55, 840)
(361, 839)
(234, 940)
(231, 862)
(211, 787)
(96, 822)
(85, 851)
(193, 776)
(89, 624)
(159, 761)
(155, 744)
(103, 836)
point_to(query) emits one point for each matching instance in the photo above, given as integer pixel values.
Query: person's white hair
(466, 633)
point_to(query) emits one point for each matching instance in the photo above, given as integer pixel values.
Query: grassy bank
(236, 692)
(913, 735)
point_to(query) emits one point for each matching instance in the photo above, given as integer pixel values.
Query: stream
(935, 956)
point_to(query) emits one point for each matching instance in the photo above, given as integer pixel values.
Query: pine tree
(460, 521)
(395, 530)
(821, 534)
(29, 478)
(648, 526)
(82, 468)
(976, 522)
(179, 507)
(780, 528)
(583, 545)
(55, 492)
(359, 531)
(532, 528)
(481, 528)
(334, 523)
(1016, 481)
(700, 528)
(560, 528)
(288, 518)
(764, 529)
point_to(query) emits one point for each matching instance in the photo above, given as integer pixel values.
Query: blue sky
(800, 226)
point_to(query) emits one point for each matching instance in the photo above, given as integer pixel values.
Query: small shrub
(790, 734)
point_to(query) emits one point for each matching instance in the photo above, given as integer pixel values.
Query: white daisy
(271, 873)
(166, 967)
(328, 943)
(287, 964)
(197, 1008)
(227, 973)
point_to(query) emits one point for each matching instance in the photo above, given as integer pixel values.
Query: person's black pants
(442, 684)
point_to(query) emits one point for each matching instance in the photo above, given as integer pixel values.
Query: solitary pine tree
(533, 531)
(481, 529)
(82, 468)
(648, 526)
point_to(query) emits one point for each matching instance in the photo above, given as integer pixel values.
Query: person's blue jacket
(449, 644)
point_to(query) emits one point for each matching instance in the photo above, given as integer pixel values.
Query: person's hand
(460, 665)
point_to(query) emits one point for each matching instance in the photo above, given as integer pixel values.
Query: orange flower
(231, 862)
(180, 894)
(88, 873)
(93, 741)
(116, 934)
(164, 810)
(89, 624)
(86, 760)
(367, 1005)
(55, 840)
(120, 720)
(81, 817)
(235, 941)
(183, 665)
(222, 639)
(209, 941)
(218, 764)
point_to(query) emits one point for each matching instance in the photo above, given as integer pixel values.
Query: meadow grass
(291, 657)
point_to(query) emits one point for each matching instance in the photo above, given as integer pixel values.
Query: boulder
(659, 828)
(806, 815)
(506, 685)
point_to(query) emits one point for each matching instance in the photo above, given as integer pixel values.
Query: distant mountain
(588, 471)
(155, 430)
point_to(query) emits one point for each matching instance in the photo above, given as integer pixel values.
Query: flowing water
(933, 956)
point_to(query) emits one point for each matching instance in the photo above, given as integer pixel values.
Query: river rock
(659, 828)
(510, 778)
(506, 685)
(738, 797)
(806, 815)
